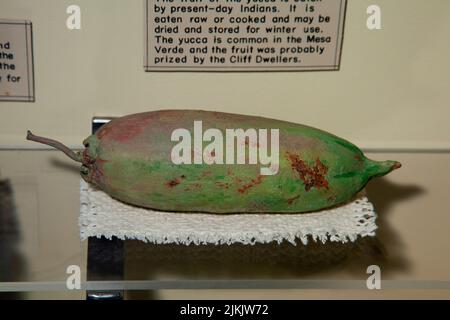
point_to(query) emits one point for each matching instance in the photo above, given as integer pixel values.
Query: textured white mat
(100, 215)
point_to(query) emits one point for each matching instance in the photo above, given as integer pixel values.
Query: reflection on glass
(12, 263)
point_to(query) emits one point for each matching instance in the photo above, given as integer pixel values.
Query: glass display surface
(40, 242)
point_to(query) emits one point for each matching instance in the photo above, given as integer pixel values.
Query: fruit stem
(56, 144)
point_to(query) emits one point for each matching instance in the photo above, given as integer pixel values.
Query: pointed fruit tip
(381, 168)
(397, 165)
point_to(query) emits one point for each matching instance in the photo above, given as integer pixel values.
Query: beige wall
(392, 89)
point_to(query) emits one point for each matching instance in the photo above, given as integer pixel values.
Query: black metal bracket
(105, 257)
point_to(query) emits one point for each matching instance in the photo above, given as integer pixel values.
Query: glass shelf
(39, 239)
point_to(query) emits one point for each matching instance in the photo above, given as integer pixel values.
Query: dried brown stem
(56, 144)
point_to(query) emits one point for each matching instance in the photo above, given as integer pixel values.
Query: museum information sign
(16, 61)
(243, 35)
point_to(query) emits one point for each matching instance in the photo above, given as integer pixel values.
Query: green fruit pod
(131, 159)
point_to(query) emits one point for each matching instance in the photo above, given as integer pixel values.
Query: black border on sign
(335, 67)
(30, 60)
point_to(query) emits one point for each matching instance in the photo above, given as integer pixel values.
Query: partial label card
(16, 61)
(243, 35)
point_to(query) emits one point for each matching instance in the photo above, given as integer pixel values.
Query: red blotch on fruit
(173, 183)
(312, 176)
(251, 184)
